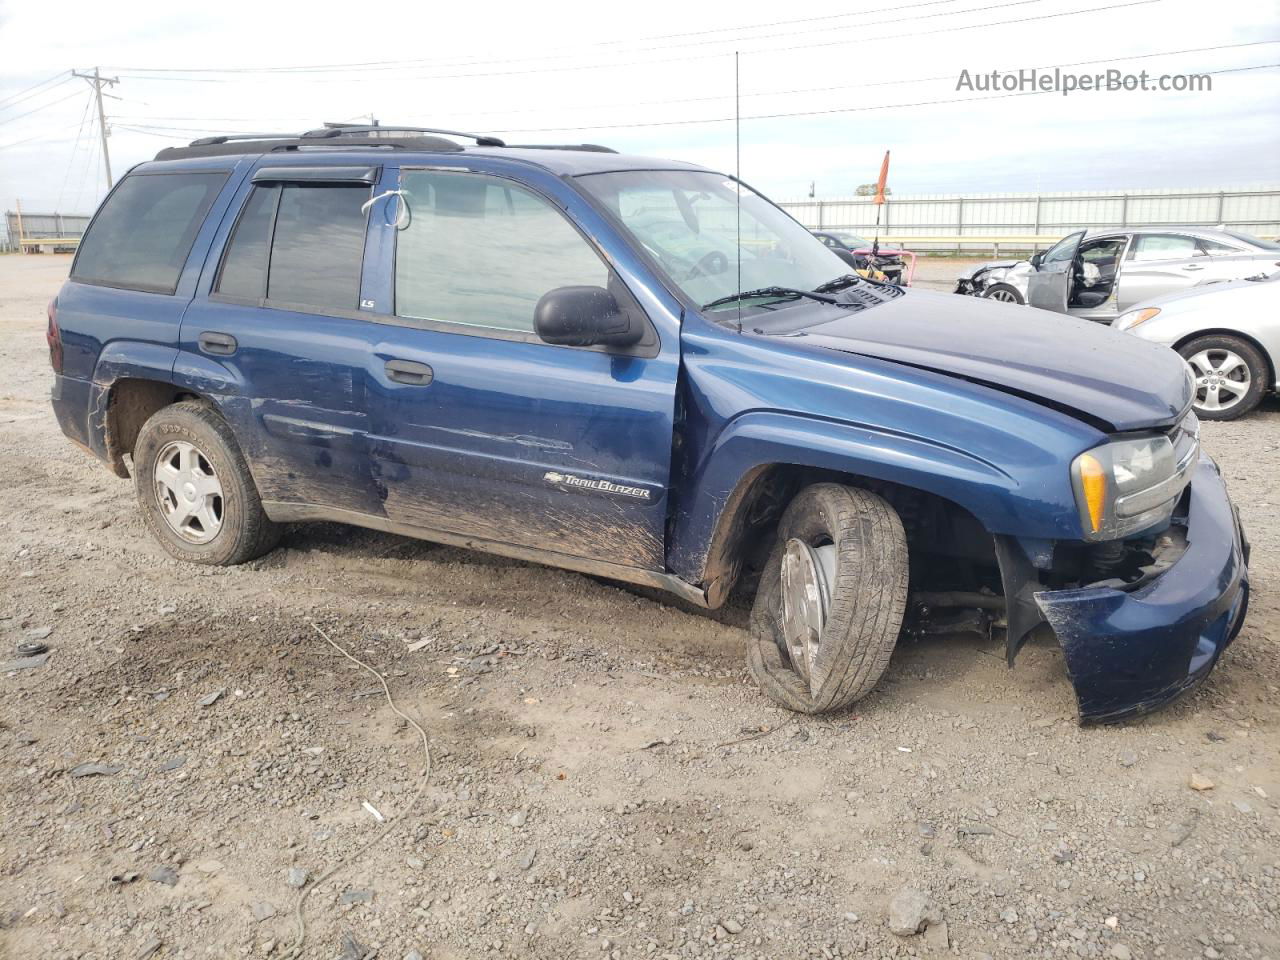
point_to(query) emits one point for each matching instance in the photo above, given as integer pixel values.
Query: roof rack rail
(344, 135)
(341, 129)
(584, 147)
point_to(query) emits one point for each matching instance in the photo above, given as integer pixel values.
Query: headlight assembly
(1130, 485)
(1127, 321)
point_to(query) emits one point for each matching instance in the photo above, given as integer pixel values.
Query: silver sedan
(1099, 274)
(1229, 334)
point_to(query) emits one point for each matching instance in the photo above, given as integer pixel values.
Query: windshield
(688, 221)
(852, 240)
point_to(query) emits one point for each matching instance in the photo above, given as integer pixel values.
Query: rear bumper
(1129, 652)
(71, 398)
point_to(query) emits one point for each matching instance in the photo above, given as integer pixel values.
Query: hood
(1076, 365)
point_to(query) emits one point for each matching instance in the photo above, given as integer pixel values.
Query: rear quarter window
(142, 236)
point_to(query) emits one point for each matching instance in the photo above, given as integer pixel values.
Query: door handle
(1193, 266)
(221, 344)
(409, 372)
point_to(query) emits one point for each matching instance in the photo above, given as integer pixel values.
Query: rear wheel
(831, 599)
(1230, 376)
(1003, 293)
(194, 488)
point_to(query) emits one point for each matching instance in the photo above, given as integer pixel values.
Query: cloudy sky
(826, 87)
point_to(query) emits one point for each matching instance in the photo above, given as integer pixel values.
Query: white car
(1229, 334)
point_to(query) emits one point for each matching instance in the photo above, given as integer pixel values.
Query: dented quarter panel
(1130, 652)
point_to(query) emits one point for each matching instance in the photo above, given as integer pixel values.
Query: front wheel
(1230, 376)
(831, 599)
(195, 490)
(1003, 293)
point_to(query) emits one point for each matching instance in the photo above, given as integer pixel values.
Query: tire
(1003, 293)
(1220, 360)
(232, 527)
(867, 599)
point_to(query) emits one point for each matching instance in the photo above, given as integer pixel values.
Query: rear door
(1049, 287)
(479, 427)
(276, 335)
(1160, 263)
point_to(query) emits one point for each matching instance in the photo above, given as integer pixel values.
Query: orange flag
(884, 178)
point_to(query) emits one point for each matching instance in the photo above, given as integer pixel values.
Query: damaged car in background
(1100, 274)
(568, 356)
(1004, 281)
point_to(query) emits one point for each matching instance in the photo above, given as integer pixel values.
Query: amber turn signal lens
(1093, 480)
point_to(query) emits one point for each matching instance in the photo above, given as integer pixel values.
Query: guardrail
(33, 244)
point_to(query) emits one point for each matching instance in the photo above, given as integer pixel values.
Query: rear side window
(1165, 246)
(298, 245)
(142, 236)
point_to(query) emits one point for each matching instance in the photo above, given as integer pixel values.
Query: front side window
(1165, 246)
(142, 237)
(1064, 249)
(298, 245)
(480, 251)
(688, 221)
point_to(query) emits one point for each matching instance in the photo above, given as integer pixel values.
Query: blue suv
(642, 370)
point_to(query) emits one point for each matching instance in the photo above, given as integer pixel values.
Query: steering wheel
(710, 265)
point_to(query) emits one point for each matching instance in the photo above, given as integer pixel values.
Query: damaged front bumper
(1131, 651)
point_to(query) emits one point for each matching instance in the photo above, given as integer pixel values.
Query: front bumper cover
(1129, 652)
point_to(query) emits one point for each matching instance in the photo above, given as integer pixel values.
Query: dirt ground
(595, 789)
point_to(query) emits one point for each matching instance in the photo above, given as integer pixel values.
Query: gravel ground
(605, 781)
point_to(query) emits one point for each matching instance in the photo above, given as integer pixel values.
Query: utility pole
(96, 80)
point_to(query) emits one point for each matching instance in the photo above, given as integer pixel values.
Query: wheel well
(130, 403)
(1262, 351)
(949, 547)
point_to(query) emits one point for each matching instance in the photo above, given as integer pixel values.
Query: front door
(478, 427)
(274, 335)
(1049, 287)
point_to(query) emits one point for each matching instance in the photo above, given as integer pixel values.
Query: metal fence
(1035, 219)
(40, 227)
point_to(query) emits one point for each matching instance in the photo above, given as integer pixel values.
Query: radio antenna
(737, 177)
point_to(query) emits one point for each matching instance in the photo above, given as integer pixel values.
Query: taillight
(54, 336)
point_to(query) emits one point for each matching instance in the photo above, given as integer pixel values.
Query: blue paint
(512, 439)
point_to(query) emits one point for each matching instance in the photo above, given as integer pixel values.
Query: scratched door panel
(275, 338)
(555, 448)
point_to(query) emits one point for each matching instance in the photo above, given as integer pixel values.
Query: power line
(74, 152)
(178, 132)
(816, 113)
(407, 64)
(46, 106)
(467, 61)
(677, 59)
(140, 125)
(27, 92)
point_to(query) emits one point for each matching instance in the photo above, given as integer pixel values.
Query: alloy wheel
(188, 491)
(1222, 379)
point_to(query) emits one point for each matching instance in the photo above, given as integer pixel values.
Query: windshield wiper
(839, 283)
(790, 293)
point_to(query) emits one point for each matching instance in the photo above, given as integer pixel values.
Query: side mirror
(1037, 258)
(584, 317)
